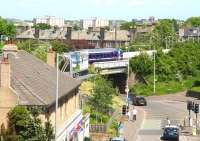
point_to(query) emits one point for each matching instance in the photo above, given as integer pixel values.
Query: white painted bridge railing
(111, 64)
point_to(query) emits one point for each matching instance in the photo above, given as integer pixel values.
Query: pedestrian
(120, 129)
(168, 121)
(134, 113)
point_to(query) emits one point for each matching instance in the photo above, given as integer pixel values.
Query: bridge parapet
(111, 64)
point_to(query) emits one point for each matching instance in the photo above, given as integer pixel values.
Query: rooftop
(34, 81)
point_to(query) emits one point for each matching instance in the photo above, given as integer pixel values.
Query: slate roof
(35, 81)
(122, 35)
(190, 32)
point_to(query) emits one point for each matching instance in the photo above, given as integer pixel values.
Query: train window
(106, 55)
(101, 55)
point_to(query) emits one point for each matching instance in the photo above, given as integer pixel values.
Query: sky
(105, 9)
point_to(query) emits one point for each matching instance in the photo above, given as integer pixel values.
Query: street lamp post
(58, 61)
(127, 87)
(57, 83)
(154, 71)
(154, 66)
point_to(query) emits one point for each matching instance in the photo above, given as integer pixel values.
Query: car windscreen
(141, 99)
(174, 130)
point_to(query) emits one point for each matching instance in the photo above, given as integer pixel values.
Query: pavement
(152, 118)
(131, 128)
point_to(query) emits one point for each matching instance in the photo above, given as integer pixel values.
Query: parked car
(171, 133)
(118, 139)
(139, 101)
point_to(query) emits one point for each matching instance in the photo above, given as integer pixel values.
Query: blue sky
(107, 9)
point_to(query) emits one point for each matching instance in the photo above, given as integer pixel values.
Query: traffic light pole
(196, 123)
(189, 117)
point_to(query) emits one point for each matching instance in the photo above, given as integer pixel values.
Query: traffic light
(193, 106)
(125, 109)
(189, 105)
(196, 108)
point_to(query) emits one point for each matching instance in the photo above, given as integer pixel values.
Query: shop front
(73, 129)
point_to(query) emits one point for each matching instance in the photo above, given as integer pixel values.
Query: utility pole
(57, 87)
(154, 71)
(127, 88)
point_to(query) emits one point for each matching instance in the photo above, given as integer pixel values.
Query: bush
(87, 139)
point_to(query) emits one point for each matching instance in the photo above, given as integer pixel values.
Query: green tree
(61, 46)
(127, 25)
(41, 52)
(28, 45)
(35, 47)
(166, 68)
(6, 28)
(42, 26)
(142, 65)
(192, 22)
(102, 94)
(163, 30)
(76, 27)
(49, 131)
(24, 125)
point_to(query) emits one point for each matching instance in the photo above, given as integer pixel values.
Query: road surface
(155, 116)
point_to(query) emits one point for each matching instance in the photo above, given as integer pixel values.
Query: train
(105, 54)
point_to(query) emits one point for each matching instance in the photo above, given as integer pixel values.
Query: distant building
(96, 22)
(189, 33)
(82, 38)
(150, 21)
(50, 20)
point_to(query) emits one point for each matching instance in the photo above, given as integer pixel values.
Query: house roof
(35, 81)
(122, 35)
(190, 32)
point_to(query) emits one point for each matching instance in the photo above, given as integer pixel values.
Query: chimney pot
(51, 57)
(5, 73)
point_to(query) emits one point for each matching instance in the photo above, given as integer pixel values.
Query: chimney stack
(69, 33)
(9, 48)
(5, 73)
(51, 55)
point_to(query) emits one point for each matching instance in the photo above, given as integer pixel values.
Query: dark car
(139, 101)
(171, 133)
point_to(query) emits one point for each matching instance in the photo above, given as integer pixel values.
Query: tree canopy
(42, 26)
(61, 46)
(102, 94)
(183, 60)
(165, 30)
(127, 25)
(39, 49)
(24, 125)
(142, 65)
(6, 28)
(192, 22)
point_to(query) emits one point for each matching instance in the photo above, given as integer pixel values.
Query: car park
(171, 133)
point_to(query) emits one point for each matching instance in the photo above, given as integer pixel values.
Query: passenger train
(105, 54)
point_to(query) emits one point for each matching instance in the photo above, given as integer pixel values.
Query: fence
(98, 128)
